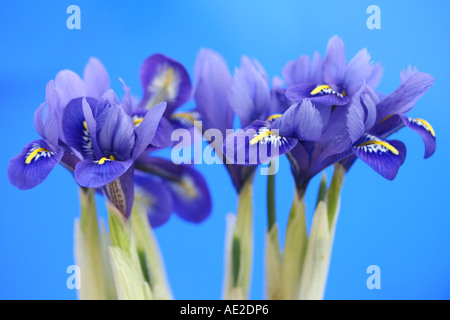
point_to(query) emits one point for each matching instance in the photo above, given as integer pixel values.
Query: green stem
(240, 248)
(93, 262)
(271, 211)
(151, 260)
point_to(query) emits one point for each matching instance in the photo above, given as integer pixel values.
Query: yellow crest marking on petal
(104, 159)
(260, 136)
(344, 93)
(382, 143)
(274, 116)
(33, 154)
(137, 122)
(319, 89)
(85, 126)
(427, 125)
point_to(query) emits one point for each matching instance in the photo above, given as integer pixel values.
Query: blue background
(402, 226)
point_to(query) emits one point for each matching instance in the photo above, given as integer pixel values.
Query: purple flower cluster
(107, 142)
(328, 111)
(322, 111)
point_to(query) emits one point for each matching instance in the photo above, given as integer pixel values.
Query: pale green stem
(240, 254)
(149, 253)
(294, 248)
(95, 275)
(128, 274)
(318, 254)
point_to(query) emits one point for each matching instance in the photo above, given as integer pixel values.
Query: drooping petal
(249, 92)
(192, 200)
(33, 164)
(98, 173)
(406, 96)
(120, 192)
(145, 132)
(335, 63)
(153, 196)
(384, 156)
(76, 132)
(256, 144)
(164, 80)
(212, 83)
(302, 120)
(96, 78)
(318, 94)
(69, 86)
(426, 132)
(160, 167)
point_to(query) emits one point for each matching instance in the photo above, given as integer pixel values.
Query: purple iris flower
(270, 129)
(371, 121)
(331, 81)
(180, 187)
(109, 144)
(42, 156)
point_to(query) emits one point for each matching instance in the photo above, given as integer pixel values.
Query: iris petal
(164, 79)
(91, 174)
(153, 196)
(33, 164)
(426, 132)
(192, 200)
(256, 144)
(385, 157)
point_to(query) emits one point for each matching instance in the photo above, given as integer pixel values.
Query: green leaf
(334, 194)
(151, 260)
(294, 249)
(315, 268)
(273, 265)
(90, 254)
(243, 231)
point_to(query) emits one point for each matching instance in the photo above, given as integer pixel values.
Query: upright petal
(426, 132)
(406, 96)
(213, 81)
(145, 132)
(358, 70)
(33, 164)
(164, 80)
(75, 129)
(249, 93)
(384, 156)
(96, 78)
(302, 120)
(335, 63)
(69, 86)
(117, 135)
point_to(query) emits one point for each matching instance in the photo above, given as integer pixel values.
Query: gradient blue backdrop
(401, 226)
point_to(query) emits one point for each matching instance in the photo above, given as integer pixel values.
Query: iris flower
(180, 187)
(105, 158)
